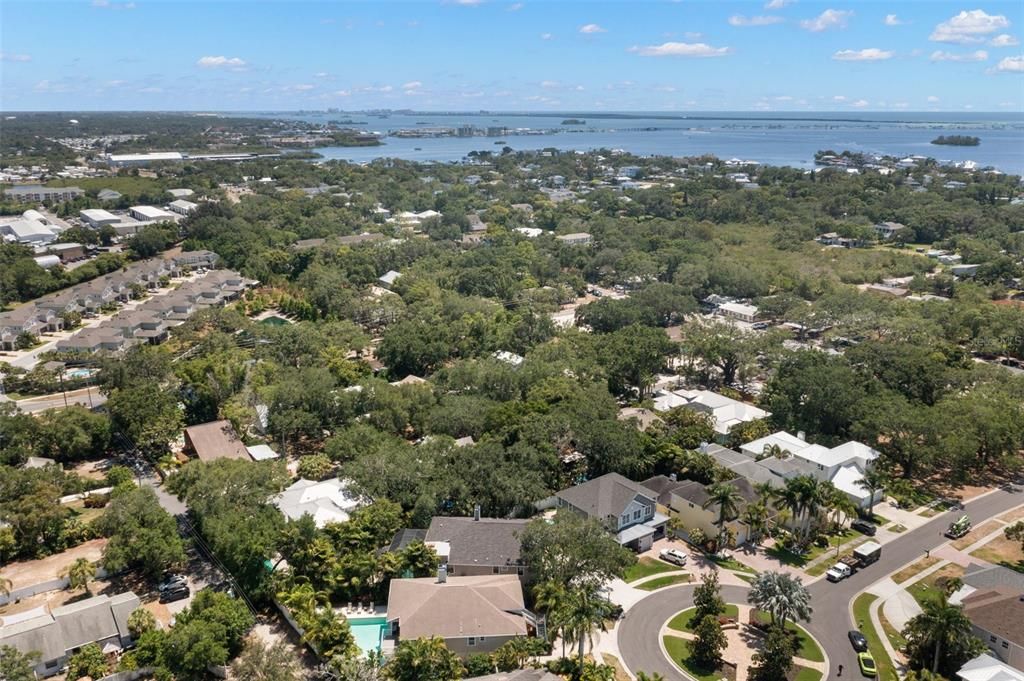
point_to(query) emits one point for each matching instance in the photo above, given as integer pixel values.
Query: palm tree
(803, 496)
(872, 481)
(782, 596)
(728, 499)
(654, 676)
(79, 574)
(941, 628)
(755, 517)
(675, 526)
(841, 506)
(585, 611)
(550, 598)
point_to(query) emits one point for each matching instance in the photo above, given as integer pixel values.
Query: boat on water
(501, 142)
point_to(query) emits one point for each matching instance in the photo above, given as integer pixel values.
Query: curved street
(638, 632)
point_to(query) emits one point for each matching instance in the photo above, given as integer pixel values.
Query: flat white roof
(151, 212)
(154, 156)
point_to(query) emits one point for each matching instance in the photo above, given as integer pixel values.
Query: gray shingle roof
(488, 541)
(982, 576)
(606, 496)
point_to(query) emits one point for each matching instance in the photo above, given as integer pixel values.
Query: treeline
(957, 140)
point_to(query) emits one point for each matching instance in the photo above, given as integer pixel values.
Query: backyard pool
(368, 632)
(274, 321)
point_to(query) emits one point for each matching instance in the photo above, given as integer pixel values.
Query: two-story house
(626, 508)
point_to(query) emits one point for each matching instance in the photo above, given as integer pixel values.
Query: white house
(725, 411)
(740, 311)
(843, 466)
(329, 501)
(182, 207)
(576, 239)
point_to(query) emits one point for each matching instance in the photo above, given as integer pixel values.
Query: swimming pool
(368, 632)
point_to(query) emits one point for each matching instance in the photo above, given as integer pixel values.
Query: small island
(574, 121)
(957, 140)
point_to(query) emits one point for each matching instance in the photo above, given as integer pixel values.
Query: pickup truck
(862, 556)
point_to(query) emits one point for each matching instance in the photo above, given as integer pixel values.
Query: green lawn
(809, 649)
(681, 622)
(879, 520)
(645, 567)
(927, 589)
(787, 557)
(861, 608)
(126, 184)
(660, 582)
(679, 650)
(805, 674)
(731, 563)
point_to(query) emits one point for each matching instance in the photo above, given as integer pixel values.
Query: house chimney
(442, 574)
(476, 512)
(802, 435)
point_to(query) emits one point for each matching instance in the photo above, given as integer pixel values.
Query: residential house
(214, 440)
(725, 412)
(844, 466)
(528, 675)
(997, 618)
(477, 546)
(388, 279)
(29, 193)
(57, 635)
(473, 614)
(327, 501)
(740, 311)
(576, 239)
(987, 668)
(686, 499)
(887, 230)
(626, 508)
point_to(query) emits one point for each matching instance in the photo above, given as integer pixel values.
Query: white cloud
(839, 98)
(515, 7)
(592, 28)
(830, 18)
(968, 27)
(1011, 65)
(321, 74)
(681, 50)
(767, 20)
(1004, 40)
(867, 54)
(547, 36)
(777, 4)
(933, 99)
(412, 85)
(978, 55)
(300, 87)
(10, 56)
(341, 93)
(221, 62)
(151, 90)
(893, 20)
(467, 3)
(860, 103)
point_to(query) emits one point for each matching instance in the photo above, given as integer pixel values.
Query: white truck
(862, 556)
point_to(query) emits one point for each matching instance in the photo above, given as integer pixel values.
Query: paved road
(86, 397)
(638, 632)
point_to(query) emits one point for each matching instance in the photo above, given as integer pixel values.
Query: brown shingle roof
(215, 440)
(999, 611)
(486, 605)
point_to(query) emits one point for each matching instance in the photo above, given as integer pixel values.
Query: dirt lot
(1013, 516)
(27, 573)
(1002, 551)
(977, 533)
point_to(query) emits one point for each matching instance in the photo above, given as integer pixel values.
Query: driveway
(640, 644)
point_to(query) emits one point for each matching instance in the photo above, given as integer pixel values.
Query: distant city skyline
(465, 55)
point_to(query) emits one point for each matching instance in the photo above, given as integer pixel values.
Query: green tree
(727, 498)
(1015, 532)
(141, 533)
(585, 610)
(775, 658)
(708, 644)
(89, 661)
(690, 428)
(15, 666)
(707, 597)
(315, 467)
(120, 475)
(260, 662)
(573, 551)
(79, 574)
(782, 596)
(872, 481)
(940, 638)
(424, 659)
(151, 418)
(140, 622)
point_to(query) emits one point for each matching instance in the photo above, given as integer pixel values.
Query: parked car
(673, 556)
(864, 527)
(838, 572)
(171, 580)
(174, 593)
(857, 640)
(867, 664)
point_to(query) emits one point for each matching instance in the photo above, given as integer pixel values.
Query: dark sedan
(857, 640)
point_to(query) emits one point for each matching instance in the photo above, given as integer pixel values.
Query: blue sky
(484, 54)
